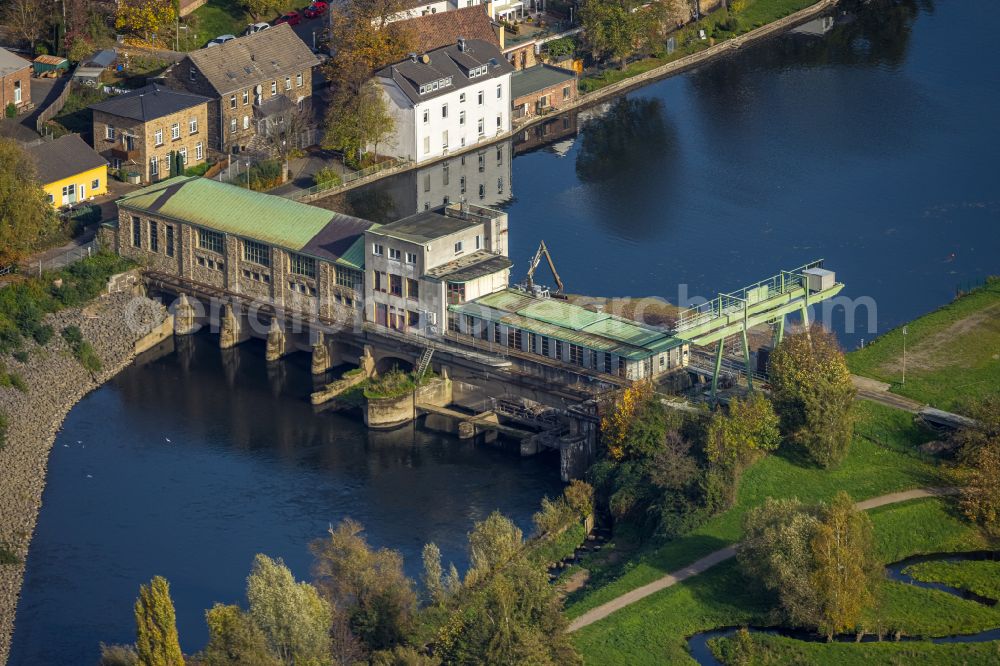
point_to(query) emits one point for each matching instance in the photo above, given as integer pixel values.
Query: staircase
(424, 363)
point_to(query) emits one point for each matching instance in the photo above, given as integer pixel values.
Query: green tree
(402, 656)
(492, 543)
(118, 655)
(979, 465)
(26, 217)
(737, 438)
(611, 29)
(813, 395)
(260, 9)
(356, 121)
(367, 585)
(292, 616)
(156, 626)
(433, 585)
(144, 17)
(846, 574)
(234, 640)
(367, 38)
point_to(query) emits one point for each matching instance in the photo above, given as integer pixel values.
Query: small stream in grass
(702, 653)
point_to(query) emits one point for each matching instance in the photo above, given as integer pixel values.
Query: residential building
(434, 31)
(531, 325)
(144, 130)
(248, 243)
(447, 99)
(251, 81)
(415, 8)
(540, 90)
(417, 266)
(15, 81)
(69, 170)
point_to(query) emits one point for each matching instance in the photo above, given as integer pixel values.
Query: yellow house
(70, 171)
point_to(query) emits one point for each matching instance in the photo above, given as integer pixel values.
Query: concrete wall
(387, 413)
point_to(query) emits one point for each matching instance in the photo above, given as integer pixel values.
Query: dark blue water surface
(248, 468)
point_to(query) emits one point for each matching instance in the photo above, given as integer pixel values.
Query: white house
(447, 99)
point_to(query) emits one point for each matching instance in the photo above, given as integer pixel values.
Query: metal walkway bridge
(766, 302)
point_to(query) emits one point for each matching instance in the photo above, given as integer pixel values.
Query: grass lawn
(951, 353)
(224, 17)
(982, 578)
(655, 630)
(883, 459)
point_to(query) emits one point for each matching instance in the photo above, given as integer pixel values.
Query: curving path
(710, 560)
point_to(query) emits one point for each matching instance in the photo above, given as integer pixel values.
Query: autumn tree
(367, 39)
(294, 619)
(739, 436)
(433, 583)
(23, 20)
(492, 543)
(813, 395)
(979, 465)
(235, 640)
(156, 626)
(26, 217)
(368, 586)
(144, 17)
(356, 121)
(260, 9)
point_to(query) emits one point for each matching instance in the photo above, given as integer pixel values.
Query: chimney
(461, 43)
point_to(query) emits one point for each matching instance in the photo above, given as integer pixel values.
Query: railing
(349, 178)
(737, 301)
(64, 259)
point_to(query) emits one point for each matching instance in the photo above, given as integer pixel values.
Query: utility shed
(596, 341)
(44, 64)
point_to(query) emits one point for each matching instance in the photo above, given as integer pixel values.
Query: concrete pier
(184, 317)
(230, 329)
(321, 361)
(275, 341)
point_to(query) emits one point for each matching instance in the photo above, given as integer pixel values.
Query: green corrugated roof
(508, 300)
(561, 313)
(626, 331)
(233, 210)
(354, 257)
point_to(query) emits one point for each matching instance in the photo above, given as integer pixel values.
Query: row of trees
(361, 607)
(667, 472)
(617, 29)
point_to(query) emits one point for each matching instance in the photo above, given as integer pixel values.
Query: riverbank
(113, 324)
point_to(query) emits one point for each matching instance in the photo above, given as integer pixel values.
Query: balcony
(122, 153)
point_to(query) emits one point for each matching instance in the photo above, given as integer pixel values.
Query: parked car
(317, 8)
(291, 18)
(255, 28)
(221, 39)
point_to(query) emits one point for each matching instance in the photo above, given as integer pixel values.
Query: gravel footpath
(56, 381)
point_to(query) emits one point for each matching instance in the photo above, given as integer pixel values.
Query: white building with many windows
(447, 99)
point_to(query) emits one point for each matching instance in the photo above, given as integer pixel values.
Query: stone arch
(384, 364)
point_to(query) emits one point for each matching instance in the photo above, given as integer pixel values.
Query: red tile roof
(433, 31)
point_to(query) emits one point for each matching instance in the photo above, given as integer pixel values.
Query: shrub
(118, 655)
(7, 556)
(327, 177)
(81, 349)
(22, 355)
(558, 48)
(197, 169)
(11, 110)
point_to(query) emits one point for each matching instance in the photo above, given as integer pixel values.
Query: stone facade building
(251, 81)
(143, 130)
(249, 244)
(15, 81)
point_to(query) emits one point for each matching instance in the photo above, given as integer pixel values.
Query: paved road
(710, 560)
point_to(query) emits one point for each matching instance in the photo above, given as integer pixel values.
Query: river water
(872, 145)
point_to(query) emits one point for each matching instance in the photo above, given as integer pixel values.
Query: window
(411, 257)
(458, 247)
(158, 137)
(481, 128)
(500, 122)
(256, 252)
(175, 131)
(499, 185)
(445, 174)
(566, 92)
(482, 162)
(543, 102)
(302, 265)
(482, 191)
(379, 282)
(456, 293)
(109, 132)
(607, 362)
(444, 140)
(232, 102)
(427, 116)
(499, 92)
(193, 126)
(288, 83)
(154, 167)
(533, 343)
(345, 277)
(394, 253)
(412, 289)
(246, 122)
(427, 182)
(514, 338)
(461, 98)
(183, 152)
(212, 241)
(576, 354)
(559, 350)
(198, 151)
(136, 232)
(545, 346)
(621, 366)
(461, 185)
(480, 97)
(274, 87)
(169, 229)
(192, 74)
(496, 333)
(377, 249)
(427, 144)
(444, 111)
(461, 117)
(499, 155)
(154, 237)
(246, 97)
(232, 125)
(298, 80)
(166, 162)
(479, 241)
(95, 184)
(395, 285)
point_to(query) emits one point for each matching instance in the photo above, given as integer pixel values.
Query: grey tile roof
(470, 267)
(448, 61)
(537, 78)
(10, 63)
(424, 227)
(67, 156)
(246, 61)
(148, 103)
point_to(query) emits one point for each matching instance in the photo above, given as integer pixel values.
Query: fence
(64, 259)
(49, 112)
(346, 179)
